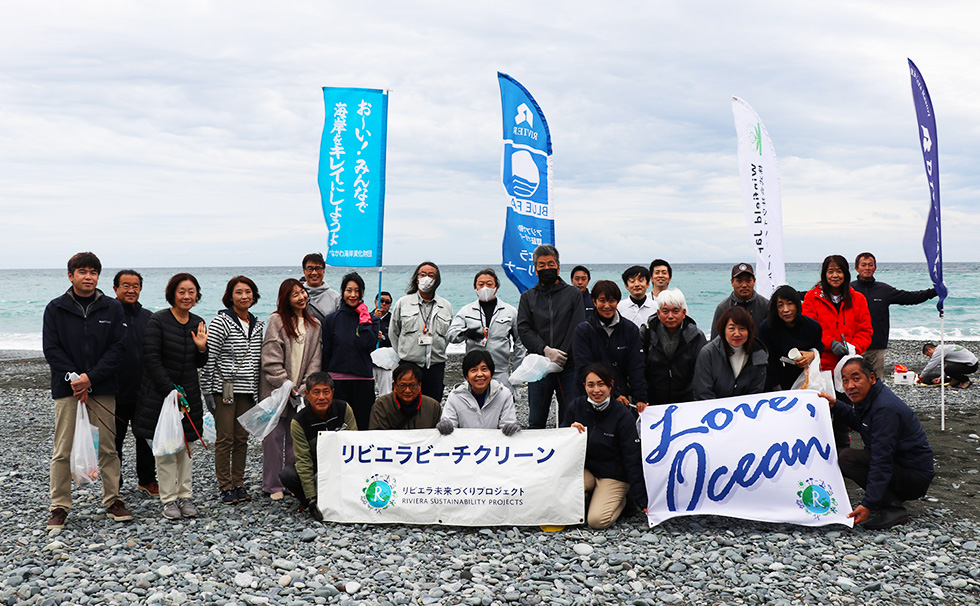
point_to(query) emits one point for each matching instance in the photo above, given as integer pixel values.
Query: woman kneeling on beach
(613, 470)
(481, 402)
(175, 345)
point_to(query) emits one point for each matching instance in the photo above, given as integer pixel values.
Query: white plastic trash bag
(382, 381)
(84, 458)
(168, 437)
(385, 357)
(210, 431)
(811, 377)
(533, 368)
(261, 419)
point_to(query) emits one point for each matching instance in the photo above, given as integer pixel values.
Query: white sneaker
(171, 510)
(187, 508)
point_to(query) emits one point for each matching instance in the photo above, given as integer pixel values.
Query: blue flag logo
(526, 176)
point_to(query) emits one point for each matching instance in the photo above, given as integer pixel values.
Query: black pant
(359, 395)
(957, 371)
(291, 482)
(904, 485)
(433, 382)
(146, 469)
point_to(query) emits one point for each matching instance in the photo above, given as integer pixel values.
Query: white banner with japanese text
(472, 477)
(767, 457)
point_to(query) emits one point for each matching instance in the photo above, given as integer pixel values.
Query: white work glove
(556, 356)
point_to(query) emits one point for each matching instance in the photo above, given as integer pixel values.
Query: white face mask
(599, 405)
(486, 294)
(426, 284)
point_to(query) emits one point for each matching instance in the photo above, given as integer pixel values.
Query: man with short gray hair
(546, 320)
(671, 341)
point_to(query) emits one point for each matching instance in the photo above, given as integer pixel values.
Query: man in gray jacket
(743, 295)
(323, 299)
(546, 320)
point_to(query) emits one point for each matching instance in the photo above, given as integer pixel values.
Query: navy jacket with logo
(84, 340)
(619, 352)
(613, 449)
(880, 296)
(893, 434)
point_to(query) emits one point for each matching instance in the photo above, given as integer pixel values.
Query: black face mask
(548, 276)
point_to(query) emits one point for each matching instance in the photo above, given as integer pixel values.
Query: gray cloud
(188, 133)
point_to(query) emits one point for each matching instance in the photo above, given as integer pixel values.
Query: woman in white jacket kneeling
(481, 402)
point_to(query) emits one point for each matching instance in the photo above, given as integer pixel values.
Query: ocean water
(25, 292)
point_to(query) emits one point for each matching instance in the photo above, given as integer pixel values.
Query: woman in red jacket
(841, 311)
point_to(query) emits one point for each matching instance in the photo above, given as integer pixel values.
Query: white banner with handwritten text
(767, 457)
(472, 477)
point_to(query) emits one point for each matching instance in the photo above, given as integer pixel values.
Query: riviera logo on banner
(526, 175)
(352, 174)
(707, 458)
(472, 477)
(379, 492)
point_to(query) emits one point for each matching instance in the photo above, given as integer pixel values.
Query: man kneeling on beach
(896, 463)
(324, 413)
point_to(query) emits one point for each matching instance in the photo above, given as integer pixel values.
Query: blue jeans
(561, 385)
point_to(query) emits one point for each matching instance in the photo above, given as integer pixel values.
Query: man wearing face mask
(419, 323)
(546, 319)
(490, 324)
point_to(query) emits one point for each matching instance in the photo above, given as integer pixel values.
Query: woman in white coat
(481, 402)
(490, 324)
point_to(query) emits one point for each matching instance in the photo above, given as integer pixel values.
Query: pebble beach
(264, 552)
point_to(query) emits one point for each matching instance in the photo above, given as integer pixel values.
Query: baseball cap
(742, 268)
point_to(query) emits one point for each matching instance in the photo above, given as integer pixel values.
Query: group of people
(615, 354)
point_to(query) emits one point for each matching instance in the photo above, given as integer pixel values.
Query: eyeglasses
(386, 301)
(407, 386)
(314, 268)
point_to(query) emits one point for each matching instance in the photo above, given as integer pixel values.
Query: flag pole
(942, 373)
(377, 302)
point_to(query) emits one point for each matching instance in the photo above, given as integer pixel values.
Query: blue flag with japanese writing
(932, 241)
(352, 174)
(525, 170)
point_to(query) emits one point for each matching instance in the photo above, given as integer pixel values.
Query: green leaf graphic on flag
(757, 138)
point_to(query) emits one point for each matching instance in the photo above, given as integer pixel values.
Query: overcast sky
(187, 133)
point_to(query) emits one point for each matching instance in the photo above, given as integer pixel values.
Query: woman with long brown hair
(291, 350)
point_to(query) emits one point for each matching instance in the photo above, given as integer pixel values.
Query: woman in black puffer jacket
(349, 336)
(174, 347)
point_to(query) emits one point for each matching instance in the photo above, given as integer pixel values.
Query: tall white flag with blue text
(761, 198)
(352, 174)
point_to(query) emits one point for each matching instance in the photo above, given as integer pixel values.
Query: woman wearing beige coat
(291, 350)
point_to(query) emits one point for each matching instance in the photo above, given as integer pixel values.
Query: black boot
(886, 517)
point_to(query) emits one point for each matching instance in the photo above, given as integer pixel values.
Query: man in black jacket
(127, 284)
(84, 334)
(671, 341)
(546, 319)
(896, 463)
(880, 296)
